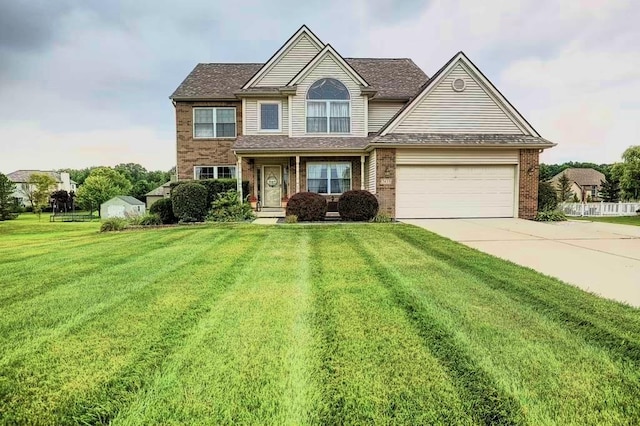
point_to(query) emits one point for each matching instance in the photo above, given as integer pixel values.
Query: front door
(272, 186)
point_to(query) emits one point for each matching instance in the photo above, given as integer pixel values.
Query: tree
(547, 197)
(564, 188)
(78, 175)
(628, 173)
(42, 186)
(610, 190)
(61, 200)
(102, 184)
(6, 203)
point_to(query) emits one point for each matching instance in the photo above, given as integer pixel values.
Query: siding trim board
(476, 75)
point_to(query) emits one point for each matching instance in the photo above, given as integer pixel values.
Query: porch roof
(283, 143)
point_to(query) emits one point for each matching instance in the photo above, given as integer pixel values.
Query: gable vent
(458, 85)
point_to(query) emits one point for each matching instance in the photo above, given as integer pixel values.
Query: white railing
(600, 209)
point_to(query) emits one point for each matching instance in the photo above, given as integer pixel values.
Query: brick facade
(202, 152)
(386, 180)
(528, 185)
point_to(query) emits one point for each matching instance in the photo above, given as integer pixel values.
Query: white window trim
(215, 171)
(276, 102)
(193, 122)
(328, 164)
(328, 106)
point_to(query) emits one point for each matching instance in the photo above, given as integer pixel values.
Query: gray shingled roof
(24, 175)
(129, 199)
(391, 78)
(582, 176)
(216, 81)
(261, 143)
(461, 139)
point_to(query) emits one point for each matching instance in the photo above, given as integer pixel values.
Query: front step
(271, 212)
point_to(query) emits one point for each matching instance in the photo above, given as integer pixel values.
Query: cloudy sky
(87, 82)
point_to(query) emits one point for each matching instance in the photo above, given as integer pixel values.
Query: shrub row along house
(310, 120)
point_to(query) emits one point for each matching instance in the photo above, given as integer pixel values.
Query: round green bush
(164, 209)
(150, 219)
(189, 201)
(357, 205)
(307, 206)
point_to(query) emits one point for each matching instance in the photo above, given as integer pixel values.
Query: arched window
(328, 107)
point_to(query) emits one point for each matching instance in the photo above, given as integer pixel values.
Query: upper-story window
(328, 107)
(270, 112)
(214, 122)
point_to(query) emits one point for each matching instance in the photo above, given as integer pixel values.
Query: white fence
(600, 209)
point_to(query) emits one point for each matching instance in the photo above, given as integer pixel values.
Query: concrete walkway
(598, 257)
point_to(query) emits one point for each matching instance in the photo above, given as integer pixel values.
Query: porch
(273, 179)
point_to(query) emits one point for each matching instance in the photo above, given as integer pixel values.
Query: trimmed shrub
(382, 218)
(216, 186)
(547, 197)
(550, 216)
(227, 208)
(189, 201)
(292, 218)
(357, 205)
(164, 209)
(113, 224)
(307, 206)
(150, 219)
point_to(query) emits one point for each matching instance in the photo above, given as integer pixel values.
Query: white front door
(272, 186)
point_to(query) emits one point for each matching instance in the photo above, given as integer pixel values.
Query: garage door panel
(455, 191)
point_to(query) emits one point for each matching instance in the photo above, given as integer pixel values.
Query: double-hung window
(329, 178)
(270, 116)
(214, 122)
(328, 107)
(214, 172)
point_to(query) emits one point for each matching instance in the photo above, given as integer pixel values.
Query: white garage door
(115, 211)
(455, 191)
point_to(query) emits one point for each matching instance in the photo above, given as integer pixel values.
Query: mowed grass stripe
(556, 376)
(40, 273)
(376, 369)
(70, 304)
(602, 322)
(483, 398)
(250, 360)
(96, 370)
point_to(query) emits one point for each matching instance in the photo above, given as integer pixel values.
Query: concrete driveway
(601, 258)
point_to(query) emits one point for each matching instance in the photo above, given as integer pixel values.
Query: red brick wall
(386, 180)
(528, 185)
(202, 152)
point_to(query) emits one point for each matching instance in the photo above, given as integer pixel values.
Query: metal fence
(600, 209)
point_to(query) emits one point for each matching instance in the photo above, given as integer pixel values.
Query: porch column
(239, 179)
(297, 174)
(362, 172)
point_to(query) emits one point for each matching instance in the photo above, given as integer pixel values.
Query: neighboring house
(310, 120)
(21, 180)
(122, 206)
(163, 191)
(585, 183)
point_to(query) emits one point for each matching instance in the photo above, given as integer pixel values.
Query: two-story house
(310, 120)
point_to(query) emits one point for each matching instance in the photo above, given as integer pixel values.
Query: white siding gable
(381, 112)
(328, 67)
(252, 116)
(290, 63)
(474, 110)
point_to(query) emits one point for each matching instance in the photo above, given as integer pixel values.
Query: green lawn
(343, 324)
(622, 220)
